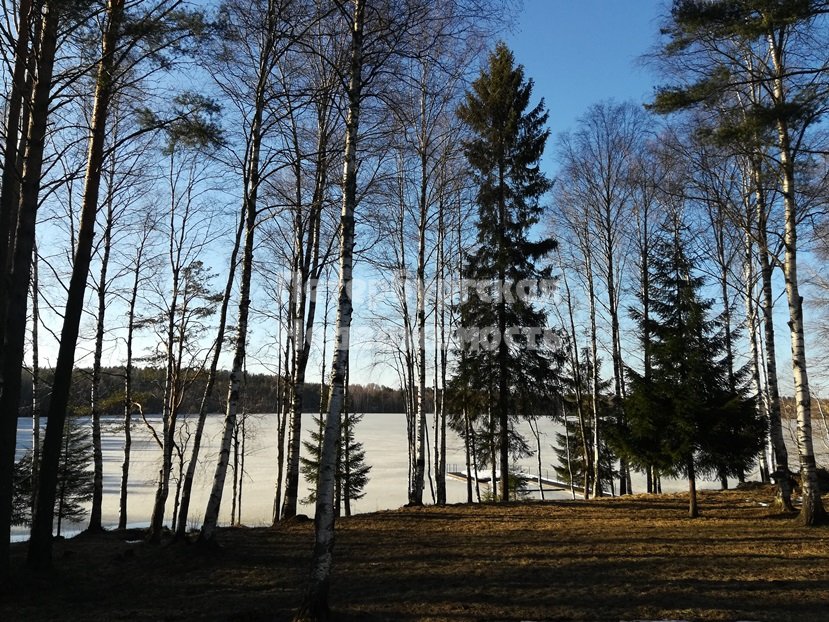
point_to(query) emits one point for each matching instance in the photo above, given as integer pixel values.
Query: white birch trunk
(315, 606)
(812, 511)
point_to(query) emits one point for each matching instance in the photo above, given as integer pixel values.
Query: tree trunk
(306, 294)
(749, 279)
(594, 380)
(234, 496)
(172, 375)
(19, 199)
(128, 369)
(575, 366)
(345, 445)
(97, 454)
(812, 511)
(293, 423)
(242, 468)
(315, 606)
(35, 380)
(475, 462)
(40, 545)
(568, 456)
(442, 362)
(187, 486)
(693, 510)
(503, 346)
(781, 476)
(533, 423)
(282, 413)
(493, 453)
(616, 353)
(211, 514)
(10, 189)
(467, 443)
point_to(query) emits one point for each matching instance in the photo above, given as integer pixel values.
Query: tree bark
(13, 289)
(693, 510)
(35, 380)
(812, 511)
(307, 295)
(594, 375)
(442, 362)
(575, 367)
(781, 476)
(211, 514)
(40, 545)
(249, 208)
(97, 453)
(315, 606)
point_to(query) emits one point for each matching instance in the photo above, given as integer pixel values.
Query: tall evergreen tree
(683, 415)
(500, 328)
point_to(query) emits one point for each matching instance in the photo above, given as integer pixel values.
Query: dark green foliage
(743, 18)
(74, 474)
(518, 485)
(707, 89)
(705, 39)
(504, 154)
(506, 360)
(22, 499)
(682, 413)
(352, 470)
(74, 489)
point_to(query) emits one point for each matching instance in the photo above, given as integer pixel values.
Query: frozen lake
(383, 437)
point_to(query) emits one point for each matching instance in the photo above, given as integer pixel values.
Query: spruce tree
(74, 483)
(501, 330)
(352, 470)
(571, 457)
(683, 415)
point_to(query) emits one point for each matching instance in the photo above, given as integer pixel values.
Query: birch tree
(274, 37)
(311, 162)
(598, 159)
(315, 605)
(241, 58)
(787, 64)
(143, 249)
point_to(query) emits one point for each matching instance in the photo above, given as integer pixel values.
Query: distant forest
(261, 394)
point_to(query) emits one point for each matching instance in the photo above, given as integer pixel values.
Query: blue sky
(580, 52)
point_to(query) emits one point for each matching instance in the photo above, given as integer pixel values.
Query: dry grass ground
(615, 559)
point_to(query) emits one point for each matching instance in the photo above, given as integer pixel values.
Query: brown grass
(615, 559)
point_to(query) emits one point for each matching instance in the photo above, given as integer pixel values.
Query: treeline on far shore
(261, 393)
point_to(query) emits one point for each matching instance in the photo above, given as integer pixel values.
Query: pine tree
(683, 416)
(501, 330)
